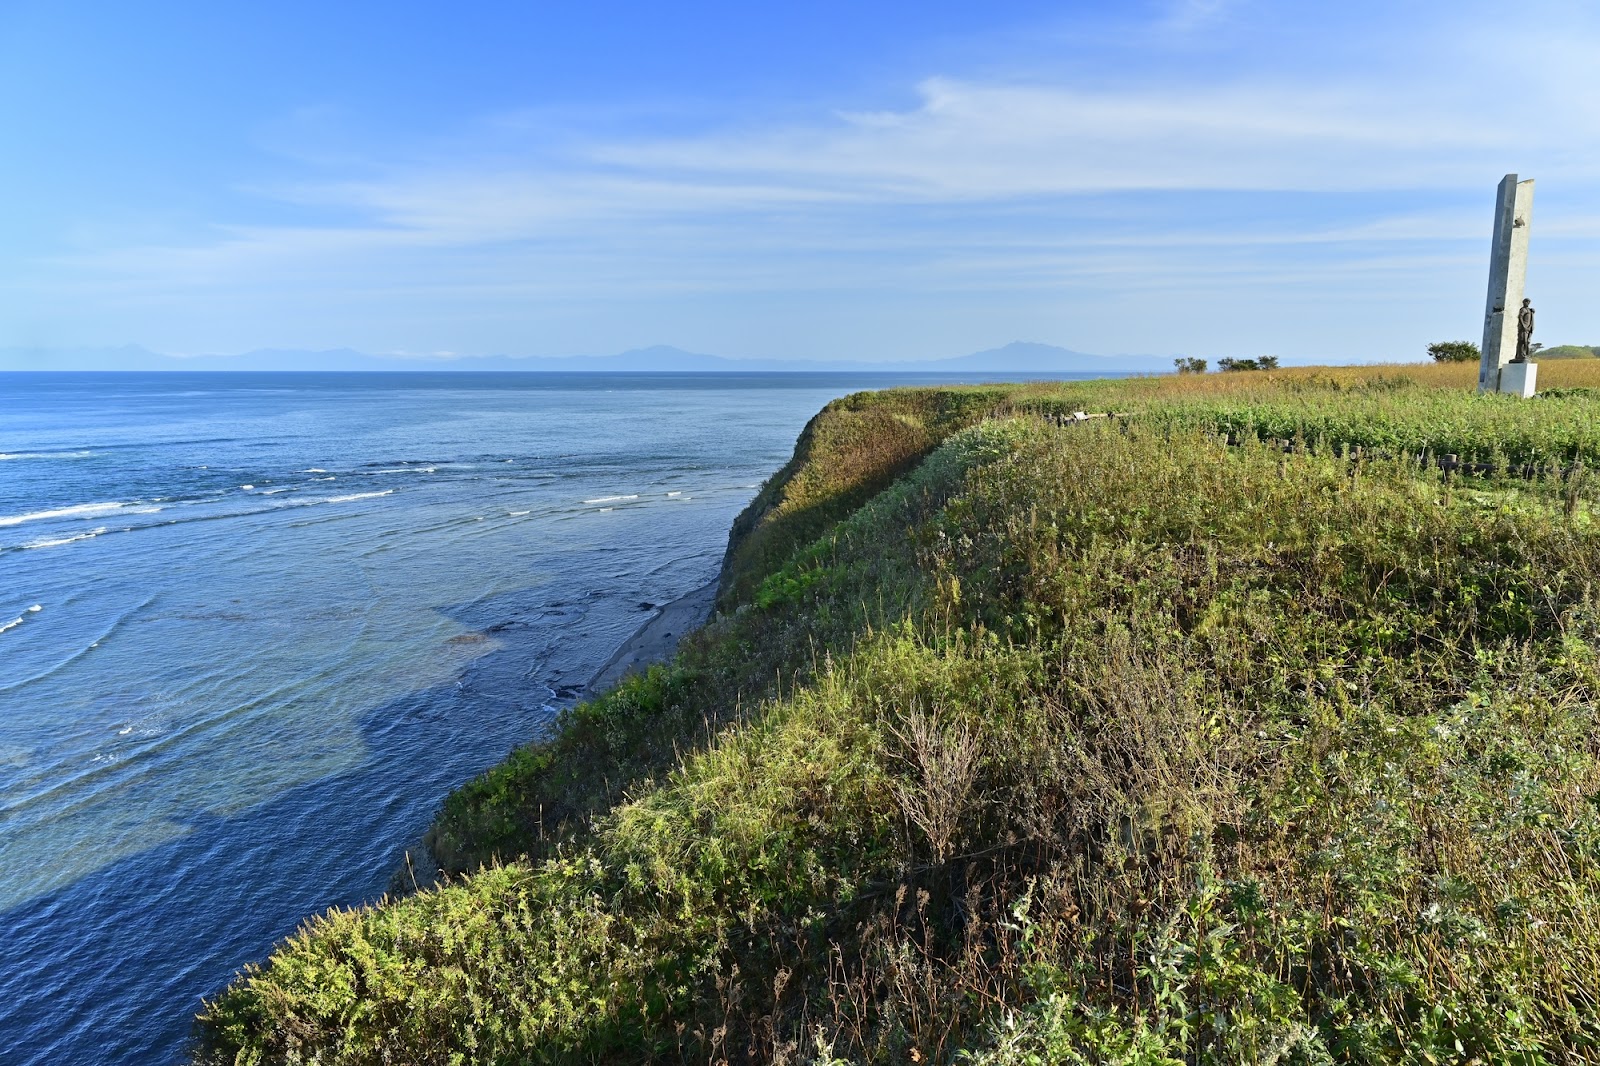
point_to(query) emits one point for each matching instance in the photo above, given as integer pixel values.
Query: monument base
(1519, 379)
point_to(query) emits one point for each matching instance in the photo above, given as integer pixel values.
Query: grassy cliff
(1229, 730)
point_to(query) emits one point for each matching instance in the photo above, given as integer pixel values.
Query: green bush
(1454, 352)
(1266, 362)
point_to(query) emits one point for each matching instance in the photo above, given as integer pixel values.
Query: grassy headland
(1226, 731)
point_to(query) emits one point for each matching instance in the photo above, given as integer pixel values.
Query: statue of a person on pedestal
(1524, 331)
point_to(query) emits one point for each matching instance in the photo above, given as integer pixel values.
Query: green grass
(1019, 742)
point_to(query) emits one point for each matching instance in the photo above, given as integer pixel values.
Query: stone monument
(1505, 367)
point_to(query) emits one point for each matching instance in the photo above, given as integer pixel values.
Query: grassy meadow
(1230, 729)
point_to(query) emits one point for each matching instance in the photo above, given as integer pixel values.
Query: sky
(830, 180)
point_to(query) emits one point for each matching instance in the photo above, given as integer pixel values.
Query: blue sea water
(254, 627)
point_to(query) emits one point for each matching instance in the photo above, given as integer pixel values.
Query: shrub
(1266, 362)
(1454, 352)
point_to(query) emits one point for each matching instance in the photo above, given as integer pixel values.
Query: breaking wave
(44, 455)
(82, 510)
(55, 542)
(357, 496)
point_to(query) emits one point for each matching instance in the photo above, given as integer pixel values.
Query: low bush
(1454, 352)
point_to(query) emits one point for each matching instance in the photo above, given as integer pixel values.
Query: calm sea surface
(253, 627)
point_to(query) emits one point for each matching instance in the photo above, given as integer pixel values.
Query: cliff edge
(1245, 728)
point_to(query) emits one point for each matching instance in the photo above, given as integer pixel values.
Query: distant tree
(1454, 352)
(1266, 362)
(1190, 366)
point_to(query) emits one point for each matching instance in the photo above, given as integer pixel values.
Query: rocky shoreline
(657, 640)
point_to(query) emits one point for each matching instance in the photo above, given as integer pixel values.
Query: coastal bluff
(1235, 728)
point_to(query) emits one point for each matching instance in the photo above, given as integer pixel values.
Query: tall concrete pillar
(1508, 272)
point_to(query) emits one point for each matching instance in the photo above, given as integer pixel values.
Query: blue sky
(829, 180)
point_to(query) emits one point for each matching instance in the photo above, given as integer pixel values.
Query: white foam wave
(144, 727)
(43, 455)
(674, 494)
(35, 609)
(272, 492)
(55, 542)
(607, 510)
(330, 477)
(314, 470)
(612, 499)
(357, 496)
(403, 470)
(14, 623)
(518, 514)
(247, 488)
(82, 510)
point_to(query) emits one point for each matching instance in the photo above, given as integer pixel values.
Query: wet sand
(657, 639)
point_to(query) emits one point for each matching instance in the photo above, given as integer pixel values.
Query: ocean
(254, 627)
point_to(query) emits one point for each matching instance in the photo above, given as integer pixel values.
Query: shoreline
(657, 640)
(653, 642)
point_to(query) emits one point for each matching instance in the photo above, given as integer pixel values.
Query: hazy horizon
(1015, 358)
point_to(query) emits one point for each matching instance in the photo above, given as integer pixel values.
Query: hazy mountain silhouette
(1018, 357)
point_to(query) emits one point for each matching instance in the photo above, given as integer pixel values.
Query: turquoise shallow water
(254, 627)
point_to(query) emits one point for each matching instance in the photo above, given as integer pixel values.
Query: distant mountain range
(1019, 357)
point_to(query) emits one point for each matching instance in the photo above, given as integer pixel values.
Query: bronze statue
(1524, 331)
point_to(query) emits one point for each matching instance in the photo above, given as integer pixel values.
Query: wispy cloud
(977, 182)
(969, 141)
(1186, 16)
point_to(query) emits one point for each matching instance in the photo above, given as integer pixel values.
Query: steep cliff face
(850, 451)
(1148, 740)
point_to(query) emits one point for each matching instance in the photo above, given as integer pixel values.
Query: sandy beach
(657, 639)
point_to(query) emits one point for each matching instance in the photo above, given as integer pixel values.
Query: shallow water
(253, 627)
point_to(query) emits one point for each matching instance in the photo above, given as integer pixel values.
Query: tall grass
(1023, 742)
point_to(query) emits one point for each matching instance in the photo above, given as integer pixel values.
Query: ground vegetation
(1192, 719)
